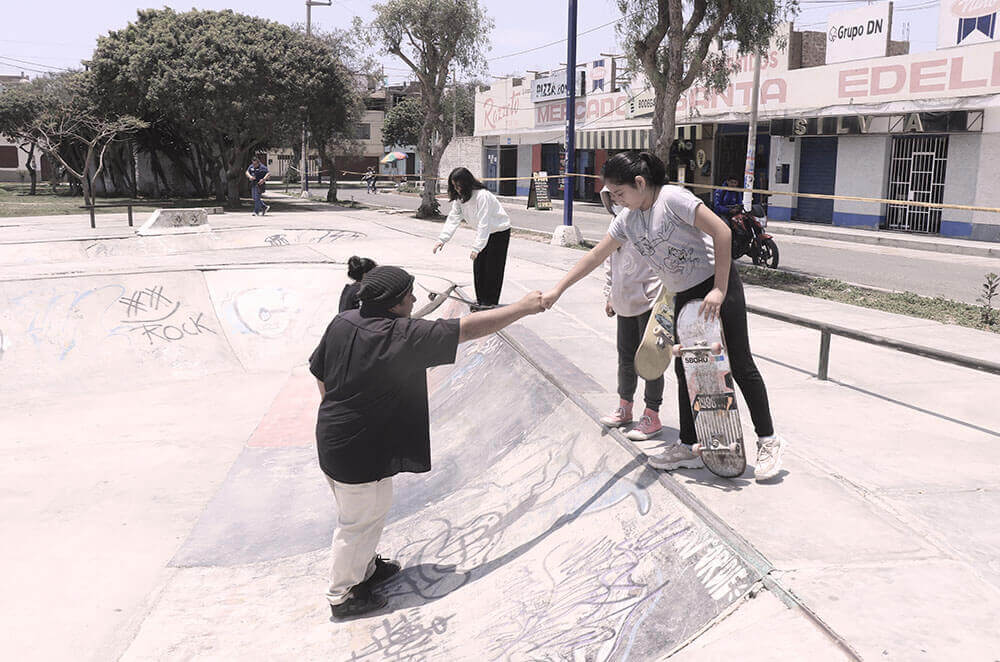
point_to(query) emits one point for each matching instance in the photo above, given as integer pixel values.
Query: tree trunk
(664, 120)
(431, 159)
(331, 193)
(233, 182)
(30, 166)
(133, 151)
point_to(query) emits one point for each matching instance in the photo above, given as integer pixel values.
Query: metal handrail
(826, 330)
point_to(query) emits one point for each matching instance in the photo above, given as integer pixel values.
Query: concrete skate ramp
(69, 250)
(534, 537)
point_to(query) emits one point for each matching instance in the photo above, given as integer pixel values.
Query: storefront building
(922, 127)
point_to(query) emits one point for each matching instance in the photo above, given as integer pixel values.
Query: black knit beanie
(385, 287)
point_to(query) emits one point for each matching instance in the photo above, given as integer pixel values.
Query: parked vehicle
(750, 237)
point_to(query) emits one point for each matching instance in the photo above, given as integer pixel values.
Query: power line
(560, 41)
(34, 64)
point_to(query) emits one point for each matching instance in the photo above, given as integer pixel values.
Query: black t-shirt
(374, 422)
(349, 297)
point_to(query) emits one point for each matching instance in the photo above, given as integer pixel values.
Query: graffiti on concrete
(595, 596)
(289, 237)
(262, 311)
(151, 313)
(405, 637)
(718, 568)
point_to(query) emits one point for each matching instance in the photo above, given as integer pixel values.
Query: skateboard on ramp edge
(710, 388)
(653, 356)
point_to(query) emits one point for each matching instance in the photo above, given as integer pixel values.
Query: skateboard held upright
(653, 356)
(710, 388)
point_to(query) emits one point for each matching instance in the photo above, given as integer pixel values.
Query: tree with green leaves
(226, 82)
(58, 113)
(670, 42)
(403, 123)
(431, 37)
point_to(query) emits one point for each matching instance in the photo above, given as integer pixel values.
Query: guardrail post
(824, 355)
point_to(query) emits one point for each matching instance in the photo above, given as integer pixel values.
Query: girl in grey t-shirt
(690, 248)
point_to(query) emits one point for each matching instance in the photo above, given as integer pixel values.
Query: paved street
(956, 277)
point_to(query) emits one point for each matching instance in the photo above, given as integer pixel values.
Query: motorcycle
(750, 237)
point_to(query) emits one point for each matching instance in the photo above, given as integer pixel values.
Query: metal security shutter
(817, 174)
(917, 173)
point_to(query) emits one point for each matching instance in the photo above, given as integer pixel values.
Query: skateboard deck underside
(716, 417)
(653, 356)
(710, 388)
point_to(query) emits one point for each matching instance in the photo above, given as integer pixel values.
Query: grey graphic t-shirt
(665, 235)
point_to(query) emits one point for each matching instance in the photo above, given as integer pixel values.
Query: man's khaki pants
(361, 512)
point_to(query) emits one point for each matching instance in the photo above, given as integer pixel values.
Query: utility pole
(570, 115)
(748, 170)
(304, 174)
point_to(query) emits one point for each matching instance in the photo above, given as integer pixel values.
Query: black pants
(487, 268)
(734, 333)
(630, 330)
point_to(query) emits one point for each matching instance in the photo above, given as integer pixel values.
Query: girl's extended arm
(584, 266)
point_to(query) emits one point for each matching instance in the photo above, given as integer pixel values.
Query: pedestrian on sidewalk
(478, 207)
(370, 178)
(357, 267)
(373, 420)
(690, 248)
(257, 173)
(630, 290)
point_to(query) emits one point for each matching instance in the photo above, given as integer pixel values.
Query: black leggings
(734, 333)
(630, 330)
(487, 268)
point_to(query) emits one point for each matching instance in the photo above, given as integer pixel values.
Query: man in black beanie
(373, 421)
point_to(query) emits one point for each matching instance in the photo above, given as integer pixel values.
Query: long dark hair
(624, 167)
(357, 267)
(461, 178)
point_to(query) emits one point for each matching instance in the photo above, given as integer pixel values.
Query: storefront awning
(631, 138)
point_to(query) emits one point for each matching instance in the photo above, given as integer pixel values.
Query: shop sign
(857, 34)
(598, 108)
(962, 22)
(549, 87)
(958, 121)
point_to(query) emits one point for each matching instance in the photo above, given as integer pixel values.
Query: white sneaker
(678, 456)
(769, 452)
(267, 208)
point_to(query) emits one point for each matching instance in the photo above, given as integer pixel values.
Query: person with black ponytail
(357, 267)
(690, 248)
(479, 208)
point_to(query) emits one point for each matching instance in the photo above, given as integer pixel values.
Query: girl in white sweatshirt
(471, 201)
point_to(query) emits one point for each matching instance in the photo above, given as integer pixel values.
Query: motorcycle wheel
(767, 254)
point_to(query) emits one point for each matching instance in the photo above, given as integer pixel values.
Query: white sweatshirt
(484, 211)
(631, 284)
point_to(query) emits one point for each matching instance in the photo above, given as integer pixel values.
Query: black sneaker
(384, 570)
(362, 601)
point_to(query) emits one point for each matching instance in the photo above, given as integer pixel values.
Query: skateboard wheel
(676, 350)
(716, 348)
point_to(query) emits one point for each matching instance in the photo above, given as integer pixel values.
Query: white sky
(49, 34)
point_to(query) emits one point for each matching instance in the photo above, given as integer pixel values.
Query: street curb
(882, 240)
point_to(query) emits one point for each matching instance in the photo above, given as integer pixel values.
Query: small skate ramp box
(535, 536)
(175, 221)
